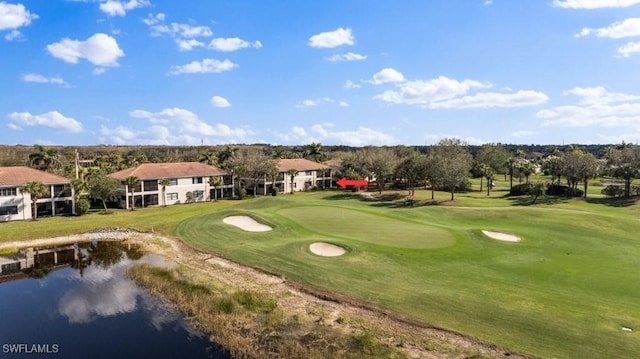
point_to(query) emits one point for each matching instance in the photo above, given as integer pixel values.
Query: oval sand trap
(326, 249)
(246, 223)
(501, 236)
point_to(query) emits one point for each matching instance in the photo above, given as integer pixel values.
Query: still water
(73, 301)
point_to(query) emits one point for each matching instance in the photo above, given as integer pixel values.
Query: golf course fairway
(565, 290)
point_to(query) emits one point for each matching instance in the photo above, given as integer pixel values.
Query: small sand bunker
(246, 223)
(326, 249)
(501, 236)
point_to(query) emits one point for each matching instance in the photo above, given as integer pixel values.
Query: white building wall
(186, 185)
(23, 204)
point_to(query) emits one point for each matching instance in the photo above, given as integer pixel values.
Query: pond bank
(308, 316)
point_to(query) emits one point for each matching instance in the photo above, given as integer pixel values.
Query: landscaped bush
(241, 193)
(613, 191)
(564, 191)
(522, 189)
(82, 206)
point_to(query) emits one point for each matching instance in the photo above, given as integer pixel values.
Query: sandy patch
(501, 236)
(326, 249)
(246, 223)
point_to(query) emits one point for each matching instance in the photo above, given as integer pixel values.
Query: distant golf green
(565, 291)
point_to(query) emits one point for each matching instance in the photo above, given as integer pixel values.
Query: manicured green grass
(565, 291)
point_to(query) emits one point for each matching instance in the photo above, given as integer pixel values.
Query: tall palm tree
(78, 186)
(215, 182)
(278, 152)
(164, 183)
(131, 182)
(315, 150)
(292, 173)
(226, 155)
(45, 159)
(210, 157)
(36, 189)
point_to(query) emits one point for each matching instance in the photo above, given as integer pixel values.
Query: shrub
(82, 206)
(241, 193)
(613, 191)
(521, 189)
(274, 191)
(564, 191)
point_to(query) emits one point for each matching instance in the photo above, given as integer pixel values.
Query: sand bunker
(501, 236)
(246, 223)
(326, 249)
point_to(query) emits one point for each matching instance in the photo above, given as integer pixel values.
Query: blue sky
(352, 72)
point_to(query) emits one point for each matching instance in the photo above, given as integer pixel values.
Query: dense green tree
(315, 152)
(209, 157)
(103, 188)
(45, 159)
(380, 162)
(37, 190)
(132, 182)
(215, 182)
(624, 162)
(451, 164)
(412, 169)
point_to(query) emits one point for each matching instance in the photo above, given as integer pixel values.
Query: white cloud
(52, 119)
(487, 2)
(522, 133)
(387, 75)
(315, 102)
(494, 99)
(349, 56)
(176, 126)
(596, 106)
(629, 49)
(343, 104)
(14, 35)
(593, 4)
(13, 16)
(219, 101)
(174, 29)
(350, 85)
(203, 67)
(331, 39)
(427, 92)
(37, 78)
(188, 45)
(232, 44)
(620, 29)
(120, 8)
(323, 133)
(100, 49)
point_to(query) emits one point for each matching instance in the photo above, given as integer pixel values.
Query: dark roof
(148, 171)
(20, 175)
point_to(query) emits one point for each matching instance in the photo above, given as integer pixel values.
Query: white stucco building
(16, 205)
(189, 182)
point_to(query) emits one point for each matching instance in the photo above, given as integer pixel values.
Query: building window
(61, 190)
(8, 192)
(151, 185)
(173, 181)
(198, 195)
(196, 180)
(8, 210)
(308, 173)
(172, 196)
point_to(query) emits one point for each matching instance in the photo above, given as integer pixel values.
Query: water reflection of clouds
(103, 292)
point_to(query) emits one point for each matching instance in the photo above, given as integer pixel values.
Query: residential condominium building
(307, 175)
(16, 205)
(188, 182)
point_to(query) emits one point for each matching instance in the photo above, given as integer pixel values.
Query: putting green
(357, 225)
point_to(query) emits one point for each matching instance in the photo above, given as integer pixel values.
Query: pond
(74, 301)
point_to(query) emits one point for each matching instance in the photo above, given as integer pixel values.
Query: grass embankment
(249, 324)
(565, 291)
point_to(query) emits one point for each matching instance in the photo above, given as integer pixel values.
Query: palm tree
(292, 173)
(210, 157)
(511, 164)
(78, 186)
(226, 155)
(215, 182)
(164, 183)
(315, 151)
(36, 189)
(45, 159)
(131, 182)
(278, 152)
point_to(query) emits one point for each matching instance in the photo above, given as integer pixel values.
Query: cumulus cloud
(203, 67)
(629, 49)
(52, 119)
(620, 29)
(326, 134)
(596, 106)
(185, 35)
(37, 78)
(421, 92)
(593, 4)
(14, 35)
(188, 44)
(232, 44)
(219, 101)
(349, 56)
(120, 8)
(100, 49)
(386, 75)
(173, 126)
(330, 39)
(494, 99)
(314, 102)
(14, 16)
(351, 85)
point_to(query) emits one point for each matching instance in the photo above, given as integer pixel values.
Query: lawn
(565, 291)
